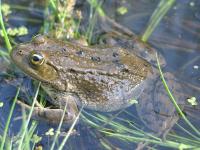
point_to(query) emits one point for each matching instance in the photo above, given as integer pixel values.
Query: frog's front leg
(54, 116)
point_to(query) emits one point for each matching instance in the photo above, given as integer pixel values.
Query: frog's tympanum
(103, 79)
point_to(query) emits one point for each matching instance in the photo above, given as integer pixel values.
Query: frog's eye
(36, 59)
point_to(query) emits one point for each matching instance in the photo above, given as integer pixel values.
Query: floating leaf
(133, 101)
(17, 31)
(50, 132)
(36, 138)
(1, 104)
(5, 8)
(122, 10)
(192, 101)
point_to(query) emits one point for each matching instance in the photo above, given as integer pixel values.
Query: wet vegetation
(122, 129)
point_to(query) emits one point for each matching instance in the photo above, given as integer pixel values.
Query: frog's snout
(17, 53)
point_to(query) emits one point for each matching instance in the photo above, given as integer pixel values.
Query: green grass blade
(167, 143)
(58, 130)
(156, 17)
(29, 117)
(52, 2)
(7, 41)
(97, 6)
(2, 53)
(173, 99)
(8, 120)
(70, 130)
(189, 133)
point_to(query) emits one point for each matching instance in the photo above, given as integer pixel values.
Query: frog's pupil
(37, 57)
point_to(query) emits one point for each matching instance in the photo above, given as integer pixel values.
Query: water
(176, 38)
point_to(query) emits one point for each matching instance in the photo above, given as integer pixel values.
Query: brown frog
(102, 79)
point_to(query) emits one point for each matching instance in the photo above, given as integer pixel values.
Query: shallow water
(176, 38)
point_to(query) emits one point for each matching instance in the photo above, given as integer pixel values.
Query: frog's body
(103, 79)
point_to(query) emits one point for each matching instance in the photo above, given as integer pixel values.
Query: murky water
(176, 38)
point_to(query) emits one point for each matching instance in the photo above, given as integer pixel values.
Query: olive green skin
(102, 79)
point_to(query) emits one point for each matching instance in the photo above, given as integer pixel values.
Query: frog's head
(32, 58)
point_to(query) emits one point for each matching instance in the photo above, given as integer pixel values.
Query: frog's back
(105, 79)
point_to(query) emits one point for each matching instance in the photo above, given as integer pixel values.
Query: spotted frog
(101, 78)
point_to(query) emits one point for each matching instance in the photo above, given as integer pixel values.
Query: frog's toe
(52, 116)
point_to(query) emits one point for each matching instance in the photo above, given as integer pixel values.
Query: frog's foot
(156, 110)
(52, 116)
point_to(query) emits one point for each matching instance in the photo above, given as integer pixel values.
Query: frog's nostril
(19, 52)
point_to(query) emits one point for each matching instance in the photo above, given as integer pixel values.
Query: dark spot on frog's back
(118, 64)
(96, 58)
(80, 53)
(115, 54)
(71, 70)
(63, 49)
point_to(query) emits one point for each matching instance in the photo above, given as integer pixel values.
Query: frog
(103, 78)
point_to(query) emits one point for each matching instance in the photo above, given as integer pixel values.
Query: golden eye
(36, 59)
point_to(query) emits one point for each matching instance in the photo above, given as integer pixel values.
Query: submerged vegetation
(63, 23)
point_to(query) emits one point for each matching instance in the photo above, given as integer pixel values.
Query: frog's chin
(33, 74)
(29, 72)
